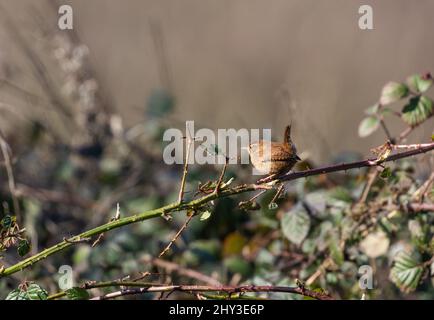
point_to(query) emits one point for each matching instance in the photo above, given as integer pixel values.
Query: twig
(28, 95)
(367, 188)
(52, 196)
(115, 218)
(171, 267)
(93, 285)
(11, 180)
(253, 198)
(423, 190)
(229, 290)
(15, 233)
(185, 171)
(177, 235)
(324, 265)
(426, 186)
(278, 193)
(386, 130)
(222, 175)
(358, 164)
(39, 69)
(409, 146)
(162, 61)
(417, 207)
(373, 174)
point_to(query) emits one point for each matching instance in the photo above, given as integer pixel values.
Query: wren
(274, 158)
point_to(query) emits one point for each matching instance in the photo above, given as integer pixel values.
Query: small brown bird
(274, 158)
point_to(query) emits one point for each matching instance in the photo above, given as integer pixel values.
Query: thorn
(166, 217)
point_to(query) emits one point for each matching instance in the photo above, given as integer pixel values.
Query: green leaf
(7, 221)
(368, 126)
(237, 265)
(372, 110)
(308, 246)
(32, 292)
(392, 92)
(296, 224)
(419, 83)
(386, 173)
(77, 294)
(342, 194)
(16, 294)
(23, 247)
(417, 110)
(406, 271)
(205, 215)
(35, 292)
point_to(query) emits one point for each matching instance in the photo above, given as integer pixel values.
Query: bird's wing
(274, 151)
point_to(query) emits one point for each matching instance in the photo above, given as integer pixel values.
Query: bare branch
(11, 180)
(177, 235)
(229, 290)
(171, 267)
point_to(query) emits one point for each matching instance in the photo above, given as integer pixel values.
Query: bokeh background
(242, 63)
(83, 110)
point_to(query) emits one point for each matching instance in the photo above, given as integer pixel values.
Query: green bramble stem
(117, 224)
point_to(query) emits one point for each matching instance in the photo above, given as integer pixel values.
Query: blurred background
(222, 60)
(83, 110)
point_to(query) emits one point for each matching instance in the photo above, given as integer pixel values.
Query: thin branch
(229, 290)
(52, 196)
(321, 269)
(115, 218)
(171, 267)
(10, 173)
(358, 164)
(39, 70)
(278, 193)
(386, 130)
(222, 175)
(367, 188)
(199, 202)
(185, 171)
(93, 285)
(177, 235)
(409, 146)
(23, 92)
(418, 207)
(426, 186)
(373, 174)
(423, 190)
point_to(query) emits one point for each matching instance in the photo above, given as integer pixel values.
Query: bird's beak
(297, 158)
